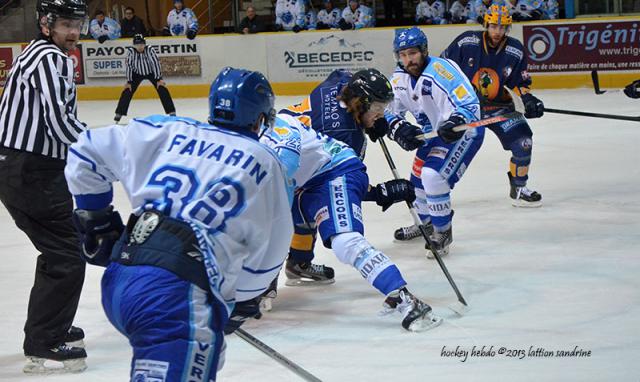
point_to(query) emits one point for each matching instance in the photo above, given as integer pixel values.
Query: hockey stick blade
(459, 308)
(596, 82)
(282, 360)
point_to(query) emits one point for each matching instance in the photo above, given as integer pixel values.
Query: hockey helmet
(69, 9)
(410, 38)
(238, 98)
(138, 39)
(369, 85)
(499, 15)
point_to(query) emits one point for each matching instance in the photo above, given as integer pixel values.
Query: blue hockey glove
(633, 89)
(534, 108)
(379, 129)
(99, 230)
(406, 135)
(243, 311)
(191, 34)
(445, 130)
(393, 191)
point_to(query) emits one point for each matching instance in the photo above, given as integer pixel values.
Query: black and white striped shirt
(38, 105)
(144, 64)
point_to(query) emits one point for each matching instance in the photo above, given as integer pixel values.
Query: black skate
(117, 118)
(411, 232)
(416, 314)
(307, 274)
(74, 337)
(72, 358)
(523, 197)
(266, 299)
(440, 242)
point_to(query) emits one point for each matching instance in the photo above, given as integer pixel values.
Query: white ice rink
(561, 276)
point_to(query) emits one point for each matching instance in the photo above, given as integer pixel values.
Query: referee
(143, 64)
(37, 124)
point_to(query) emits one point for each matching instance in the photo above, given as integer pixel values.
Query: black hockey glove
(534, 108)
(394, 191)
(243, 311)
(379, 129)
(191, 34)
(406, 135)
(278, 28)
(633, 89)
(344, 25)
(166, 31)
(102, 39)
(480, 20)
(296, 28)
(447, 16)
(445, 130)
(99, 230)
(321, 26)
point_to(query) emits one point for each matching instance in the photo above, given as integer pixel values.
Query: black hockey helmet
(369, 85)
(138, 39)
(69, 9)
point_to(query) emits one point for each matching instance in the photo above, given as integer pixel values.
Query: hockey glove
(296, 28)
(406, 135)
(445, 130)
(534, 108)
(633, 89)
(344, 25)
(379, 129)
(243, 311)
(99, 230)
(191, 34)
(394, 191)
(102, 39)
(321, 26)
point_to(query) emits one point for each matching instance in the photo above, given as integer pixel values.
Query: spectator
(552, 9)
(328, 17)
(307, 18)
(460, 11)
(392, 7)
(132, 24)
(430, 12)
(478, 9)
(525, 10)
(104, 28)
(181, 21)
(251, 24)
(356, 15)
(287, 14)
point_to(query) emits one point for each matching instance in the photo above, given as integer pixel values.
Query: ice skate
(417, 315)
(440, 242)
(523, 197)
(47, 361)
(75, 337)
(308, 274)
(266, 300)
(411, 232)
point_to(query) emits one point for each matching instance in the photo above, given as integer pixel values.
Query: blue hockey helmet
(238, 98)
(410, 38)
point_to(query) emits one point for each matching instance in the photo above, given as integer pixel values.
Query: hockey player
(287, 14)
(437, 93)
(492, 60)
(460, 11)
(307, 18)
(211, 223)
(38, 122)
(329, 16)
(478, 9)
(104, 28)
(551, 9)
(142, 64)
(525, 10)
(430, 12)
(356, 16)
(181, 21)
(331, 183)
(337, 108)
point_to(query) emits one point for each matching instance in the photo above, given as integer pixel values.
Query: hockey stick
(594, 115)
(463, 307)
(282, 360)
(596, 82)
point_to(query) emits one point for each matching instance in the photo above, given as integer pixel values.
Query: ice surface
(557, 277)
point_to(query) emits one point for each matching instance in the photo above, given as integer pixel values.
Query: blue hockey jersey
(325, 114)
(489, 69)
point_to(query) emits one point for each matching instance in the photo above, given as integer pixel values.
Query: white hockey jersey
(526, 9)
(109, 28)
(433, 12)
(288, 13)
(180, 22)
(362, 17)
(329, 18)
(310, 157)
(460, 12)
(551, 9)
(228, 186)
(441, 90)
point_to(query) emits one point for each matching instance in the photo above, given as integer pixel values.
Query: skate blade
(524, 204)
(459, 308)
(37, 365)
(429, 322)
(308, 282)
(266, 304)
(431, 256)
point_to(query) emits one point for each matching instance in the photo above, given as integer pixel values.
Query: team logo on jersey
(442, 71)
(471, 62)
(488, 82)
(507, 71)
(461, 92)
(525, 75)
(282, 132)
(427, 87)
(321, 215)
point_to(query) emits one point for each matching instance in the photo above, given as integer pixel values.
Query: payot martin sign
(583, 46)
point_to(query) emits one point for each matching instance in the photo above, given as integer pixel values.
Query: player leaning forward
(210, 229)
(38, 122)
(437, 93)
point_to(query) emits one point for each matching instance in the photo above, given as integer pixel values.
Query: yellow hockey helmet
(497, 14)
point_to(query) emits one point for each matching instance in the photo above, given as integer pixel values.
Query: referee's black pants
(163, 92)
(34, 191)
